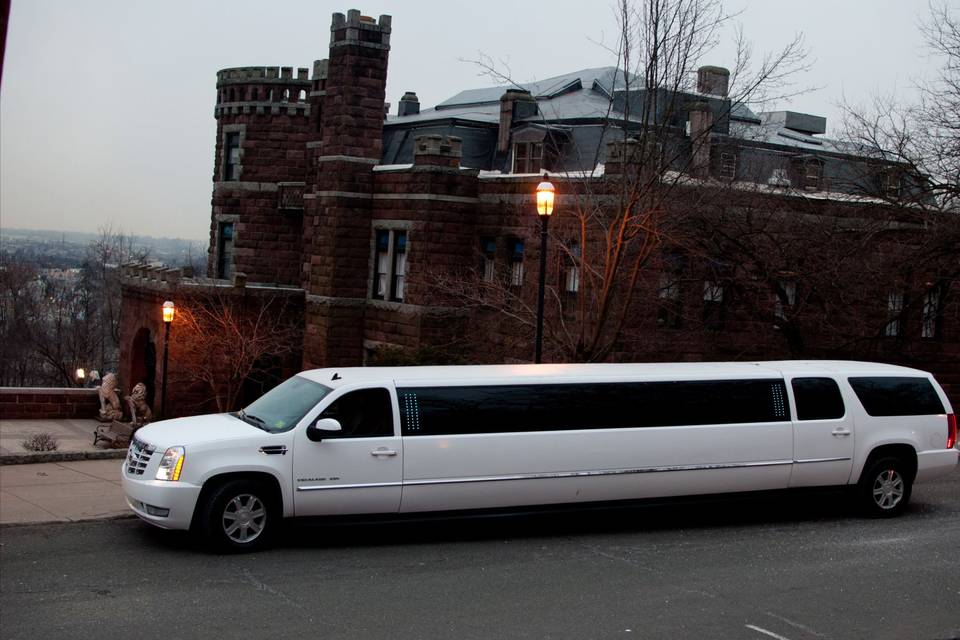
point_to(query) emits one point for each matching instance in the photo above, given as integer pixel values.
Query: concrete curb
(62, 456)
(115, 516)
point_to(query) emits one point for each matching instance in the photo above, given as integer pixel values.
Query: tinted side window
(897, 396)
(817, 399)
(519, 408)
(362, 414)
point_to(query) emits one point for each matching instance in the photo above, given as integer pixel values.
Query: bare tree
(611, 229)
(923, 137)
(222, 338)
(17, 280)
(105, 255)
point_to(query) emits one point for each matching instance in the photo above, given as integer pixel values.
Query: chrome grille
(138, 457)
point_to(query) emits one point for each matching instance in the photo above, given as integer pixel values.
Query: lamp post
(545, 193)
(168, 312)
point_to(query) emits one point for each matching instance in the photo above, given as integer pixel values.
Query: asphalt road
(799, 569)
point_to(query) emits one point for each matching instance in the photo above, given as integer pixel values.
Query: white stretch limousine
(403, 440)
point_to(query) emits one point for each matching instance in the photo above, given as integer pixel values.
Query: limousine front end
(169, 462)
(153, 486)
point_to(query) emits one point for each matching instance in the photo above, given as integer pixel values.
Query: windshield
(284, 405)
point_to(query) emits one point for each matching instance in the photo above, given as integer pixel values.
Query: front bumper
(148, 498)
(936, 464)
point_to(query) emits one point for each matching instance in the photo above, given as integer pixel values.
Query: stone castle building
(350, 220)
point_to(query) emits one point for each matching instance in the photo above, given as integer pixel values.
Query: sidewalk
(75, 438)
(61, 492)
(76, 482)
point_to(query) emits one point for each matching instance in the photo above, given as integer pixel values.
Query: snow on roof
(605, 78)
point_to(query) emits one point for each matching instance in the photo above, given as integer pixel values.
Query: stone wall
(269, 109)
(37, 403)
(142, 332)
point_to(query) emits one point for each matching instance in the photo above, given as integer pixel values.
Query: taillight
(951, 430)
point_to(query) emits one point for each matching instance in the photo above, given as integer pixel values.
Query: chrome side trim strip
(600, 472)
(369, 485)
(573, 474)
(810, 460)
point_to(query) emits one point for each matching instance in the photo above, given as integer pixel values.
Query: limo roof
(606, 372)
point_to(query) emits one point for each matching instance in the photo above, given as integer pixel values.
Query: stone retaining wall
(39, 402)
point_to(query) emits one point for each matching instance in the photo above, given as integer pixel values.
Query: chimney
(514, 104)
(620, 153)
(714, 81)
(409, 104)
(437, 150)
(701, 123)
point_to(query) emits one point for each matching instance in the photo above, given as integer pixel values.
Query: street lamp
(81, 376)
(169, 310)
(545, 193)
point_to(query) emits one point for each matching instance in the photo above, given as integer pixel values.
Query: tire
(884, 488)
(239, 516)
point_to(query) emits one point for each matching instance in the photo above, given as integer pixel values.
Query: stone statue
(140, 413)
(109, 399)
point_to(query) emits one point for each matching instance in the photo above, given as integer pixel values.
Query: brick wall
(141, 325)
(269, 108)
(35, 403)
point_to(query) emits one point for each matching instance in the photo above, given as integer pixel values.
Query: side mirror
(323, 428)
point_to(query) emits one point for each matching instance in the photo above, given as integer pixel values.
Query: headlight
(171, 464)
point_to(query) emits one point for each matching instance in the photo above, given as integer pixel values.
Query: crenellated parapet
(173, 282)
(262, 90)
(360, 30)
(154, 276)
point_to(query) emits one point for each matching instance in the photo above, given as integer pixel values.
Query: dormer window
(812, 175)
(527, 157)
(892, 184)
(728, 166)
(779, 178)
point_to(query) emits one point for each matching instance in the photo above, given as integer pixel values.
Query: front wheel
(885, 488)
(238, 516)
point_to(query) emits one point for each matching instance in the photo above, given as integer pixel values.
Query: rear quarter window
(897, 396)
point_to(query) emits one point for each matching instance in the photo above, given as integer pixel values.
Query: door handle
(841, 431)
(383, 452)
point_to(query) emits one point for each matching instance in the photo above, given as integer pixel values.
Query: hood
(196, 430)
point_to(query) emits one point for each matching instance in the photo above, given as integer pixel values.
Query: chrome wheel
(244, 518)
(888, 489)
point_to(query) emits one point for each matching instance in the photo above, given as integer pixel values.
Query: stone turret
(263, 124)
(339, 200)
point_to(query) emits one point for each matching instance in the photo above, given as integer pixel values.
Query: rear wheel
(239, 515)
(885, 488)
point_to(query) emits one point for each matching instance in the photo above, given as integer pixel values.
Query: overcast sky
(106, 107)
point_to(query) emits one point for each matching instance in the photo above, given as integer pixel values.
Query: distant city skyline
(106, 108)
